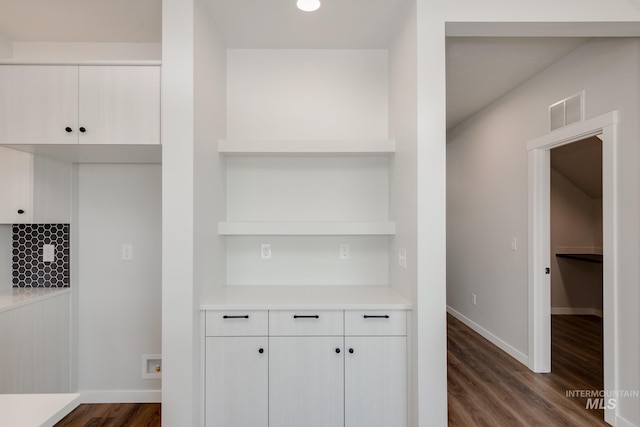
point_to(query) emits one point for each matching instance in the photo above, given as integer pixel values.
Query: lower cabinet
(237, 381)
(312, 369)
(306, 376)
(375, 381)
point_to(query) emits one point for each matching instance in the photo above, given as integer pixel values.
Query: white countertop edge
(305, 298)
(8, 303)
(37, 410)
(306, 306)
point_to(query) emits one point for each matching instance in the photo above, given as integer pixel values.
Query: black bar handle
(367, 316)
(297, 316)
(235, 317)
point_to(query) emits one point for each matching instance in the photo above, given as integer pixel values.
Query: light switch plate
(402, 258)
(127, 252)
(345, 251)
(265, 251)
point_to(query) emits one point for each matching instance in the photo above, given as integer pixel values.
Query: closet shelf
(308, 228)
(589, 254)
(309, 147)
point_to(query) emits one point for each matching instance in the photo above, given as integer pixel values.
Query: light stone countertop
(36, 410)
(18, 297)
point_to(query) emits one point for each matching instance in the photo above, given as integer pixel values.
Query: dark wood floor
(486, 386)
(489, 388)
(113, 415)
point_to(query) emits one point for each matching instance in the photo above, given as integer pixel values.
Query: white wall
(178, 400)
(307, 94)
(180, 383)
(6, 265)
(428, 341)
(487, 197)
(210, 76)
(6, 49)
(59, 51)
(576, 286)
(119, 301)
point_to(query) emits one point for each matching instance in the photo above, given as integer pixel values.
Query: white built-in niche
(306, 163)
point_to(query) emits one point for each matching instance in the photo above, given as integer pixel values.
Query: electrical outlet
(514, 244)
(265, 251)
(127, 252)
(473, 299)
(48, 253)
(345, 251)
(402, 258)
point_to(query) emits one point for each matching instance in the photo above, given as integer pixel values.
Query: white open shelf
(309, 147)
(306, 228)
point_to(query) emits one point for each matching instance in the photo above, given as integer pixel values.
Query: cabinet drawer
(306, 322)
(375, 322)
(237, 323)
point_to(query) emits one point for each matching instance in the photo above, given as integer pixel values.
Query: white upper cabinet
(38, 104)
(15, 186)
(119, 105)
(70, 104)
(33, 189)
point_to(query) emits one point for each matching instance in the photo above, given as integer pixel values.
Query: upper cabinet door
(15, 186)
(38, 104)
(119, 105)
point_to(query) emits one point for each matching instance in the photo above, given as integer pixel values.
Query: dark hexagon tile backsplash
(29, 270)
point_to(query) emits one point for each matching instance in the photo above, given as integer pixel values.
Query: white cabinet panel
(37, 186)
(306, 382)
(305, 322)
(375, 382)
(70, 104)
(34, 355)
(119, 105)
(237, 323)
(15, 186)
(38, 103)
(375, 322)
(236, 382)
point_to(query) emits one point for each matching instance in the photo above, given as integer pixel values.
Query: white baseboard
(576, 311)
(502, 345)
(621, 422)
(120, 396)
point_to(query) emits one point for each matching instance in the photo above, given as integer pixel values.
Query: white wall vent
(566, 111)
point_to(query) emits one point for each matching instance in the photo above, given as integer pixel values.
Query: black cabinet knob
(68, 129)
(82, 129)
(351, 350)
(261, 350)
(338, 350)
(20, 211)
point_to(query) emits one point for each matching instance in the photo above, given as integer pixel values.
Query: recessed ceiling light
(308, 5)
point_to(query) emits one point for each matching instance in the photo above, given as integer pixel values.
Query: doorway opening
(540, 243)
(576, 268)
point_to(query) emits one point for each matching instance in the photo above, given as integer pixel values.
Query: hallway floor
(489, 388)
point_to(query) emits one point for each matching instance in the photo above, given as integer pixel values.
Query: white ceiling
(81, 20)
(338, 24)
(482, 69)
(479, 69)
